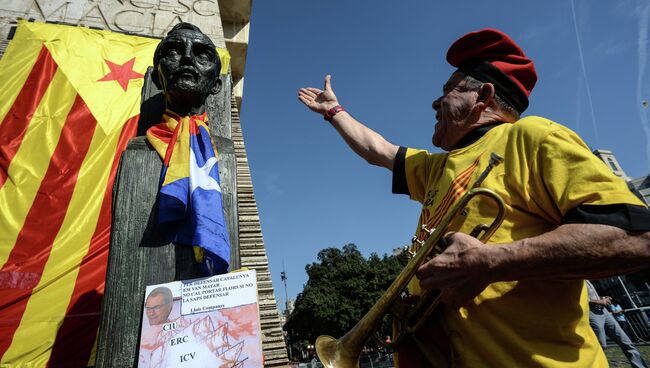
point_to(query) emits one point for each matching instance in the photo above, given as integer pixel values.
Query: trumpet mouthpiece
(495, 159)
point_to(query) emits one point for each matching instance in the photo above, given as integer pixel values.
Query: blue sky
(387, 63)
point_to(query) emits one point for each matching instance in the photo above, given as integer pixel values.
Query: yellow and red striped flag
(69, 103)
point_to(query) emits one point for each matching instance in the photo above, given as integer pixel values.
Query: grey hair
(164, 291)
(474, 84)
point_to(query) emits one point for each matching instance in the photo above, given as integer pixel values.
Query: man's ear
(155, 79)
(216, 87)
(485, 95)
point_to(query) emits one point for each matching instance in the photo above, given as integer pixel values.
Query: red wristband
(329, 114)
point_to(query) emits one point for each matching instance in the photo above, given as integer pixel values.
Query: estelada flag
(190, 206)
(69, 102)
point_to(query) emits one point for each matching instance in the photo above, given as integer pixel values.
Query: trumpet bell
(331, 355)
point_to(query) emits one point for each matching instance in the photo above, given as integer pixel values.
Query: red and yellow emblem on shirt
(432, 217)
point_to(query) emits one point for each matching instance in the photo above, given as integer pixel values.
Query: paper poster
(207, 322)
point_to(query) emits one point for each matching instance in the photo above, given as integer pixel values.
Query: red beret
(491, 56)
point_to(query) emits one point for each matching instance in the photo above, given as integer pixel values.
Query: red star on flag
(121, 73)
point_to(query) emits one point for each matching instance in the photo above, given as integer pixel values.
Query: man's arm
(602, 301)
(571, 251)
(365, 142)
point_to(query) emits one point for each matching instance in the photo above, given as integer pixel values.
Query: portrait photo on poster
(206, 322)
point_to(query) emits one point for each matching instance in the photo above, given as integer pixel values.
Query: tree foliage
(342, 286)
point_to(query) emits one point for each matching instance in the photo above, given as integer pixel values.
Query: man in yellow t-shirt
(520, 300)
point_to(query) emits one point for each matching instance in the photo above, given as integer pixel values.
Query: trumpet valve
(406, 249)
(427, 230)
(417, 241)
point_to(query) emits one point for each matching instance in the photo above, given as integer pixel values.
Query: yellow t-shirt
(547, 171)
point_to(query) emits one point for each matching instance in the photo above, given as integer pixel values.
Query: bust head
(186, 68)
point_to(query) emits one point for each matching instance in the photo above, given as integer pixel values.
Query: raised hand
(317, 100)
(606, 301)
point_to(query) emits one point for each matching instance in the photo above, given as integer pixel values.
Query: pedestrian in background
(604, 325)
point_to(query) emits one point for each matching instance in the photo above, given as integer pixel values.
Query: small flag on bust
(190, 207)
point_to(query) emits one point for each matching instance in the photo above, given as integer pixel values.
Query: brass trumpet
(345, 351)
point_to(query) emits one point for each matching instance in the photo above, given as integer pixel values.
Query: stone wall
(142, 17)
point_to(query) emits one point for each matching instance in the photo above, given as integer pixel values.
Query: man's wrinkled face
(453, 110)
(188, 64)
(157, 309)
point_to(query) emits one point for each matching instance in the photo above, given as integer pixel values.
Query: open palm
(318, 100)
